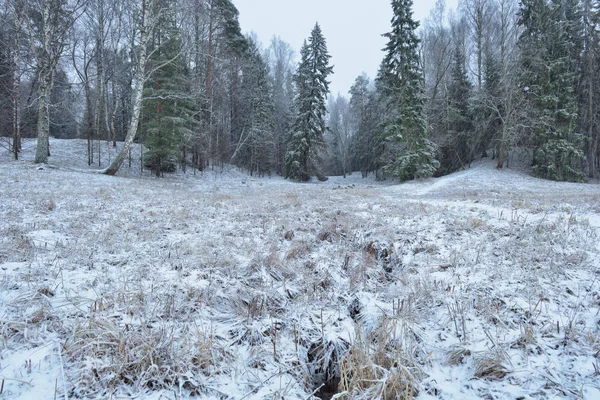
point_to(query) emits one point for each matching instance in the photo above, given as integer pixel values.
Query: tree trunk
(43, 122)
(593, 155)
(16, 101)
(46, 71)
(90, 123)
(113, 118)
(501, 151)
(100, 100)
(137, 95)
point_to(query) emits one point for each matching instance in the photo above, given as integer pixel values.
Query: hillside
(481, 284)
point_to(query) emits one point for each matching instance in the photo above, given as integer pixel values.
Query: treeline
(209, 95)
(181, 78)
(497, 75)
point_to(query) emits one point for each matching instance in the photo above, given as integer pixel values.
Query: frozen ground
(480, 285)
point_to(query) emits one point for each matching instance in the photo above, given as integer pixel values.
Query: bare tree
(436, 50)
(82, 61)
(47, 25)
(509, 108)
(145, 26)
(479, 16)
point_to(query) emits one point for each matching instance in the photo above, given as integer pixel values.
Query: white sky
(352, 28)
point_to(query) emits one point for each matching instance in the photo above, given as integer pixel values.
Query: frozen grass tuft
(381, 364)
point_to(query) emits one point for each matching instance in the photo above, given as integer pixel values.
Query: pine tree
(548, 44)
(306, 141)
(410, 153)
(168, 107)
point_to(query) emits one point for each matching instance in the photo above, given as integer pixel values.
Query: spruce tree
(306, 141)
(550, 80)
(168, 107)
(410, 153)
(590, 86)
(457, 149)
(489, 106)
(257, 144)
(366, 111)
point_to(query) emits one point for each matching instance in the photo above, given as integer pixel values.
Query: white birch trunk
(45, 81)
(43, 122)
(138, 92)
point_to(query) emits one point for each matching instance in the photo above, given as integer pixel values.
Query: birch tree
(143, 30)
(48, 23)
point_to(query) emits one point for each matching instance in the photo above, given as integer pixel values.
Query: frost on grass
(483, 284)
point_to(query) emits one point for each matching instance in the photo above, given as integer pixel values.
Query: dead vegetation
(255, 292)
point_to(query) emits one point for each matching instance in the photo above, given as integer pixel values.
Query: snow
(190, 285)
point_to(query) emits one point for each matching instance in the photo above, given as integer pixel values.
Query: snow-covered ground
(480, 285)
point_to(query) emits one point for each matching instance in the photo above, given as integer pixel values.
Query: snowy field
(480, 285)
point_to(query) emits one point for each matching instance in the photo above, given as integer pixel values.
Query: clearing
(481, 284)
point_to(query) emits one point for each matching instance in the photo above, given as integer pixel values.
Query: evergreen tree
(457, 149)
(306, 141)
(369, 144)
(410, 153)
(256, 147)
(488, 121)
(366, 112)
(548, 44)
(340, 136)
(589, 112)
(281, 68)
(168, 107)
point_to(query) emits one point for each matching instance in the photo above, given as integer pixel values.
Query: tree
(306, 141)
(589, 113)
(410, 153)
(479, 13)
(280, 57)
(168, 107)
(457, 149)
(437, 58)
(256, 147)
(226, 47)
(11, 70)
(366, 119)
(6, 81)
(48, 23)
(548, 43)
(340, 133)
(144, 29)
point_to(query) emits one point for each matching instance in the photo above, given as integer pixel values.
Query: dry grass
(381, 365)
(272, 291)
(488, 367)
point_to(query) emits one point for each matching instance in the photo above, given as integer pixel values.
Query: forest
(180, 78)
(205, 270)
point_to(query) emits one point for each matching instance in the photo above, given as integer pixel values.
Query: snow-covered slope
(482, 284)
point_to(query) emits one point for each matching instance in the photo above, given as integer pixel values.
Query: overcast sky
(352, 28)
